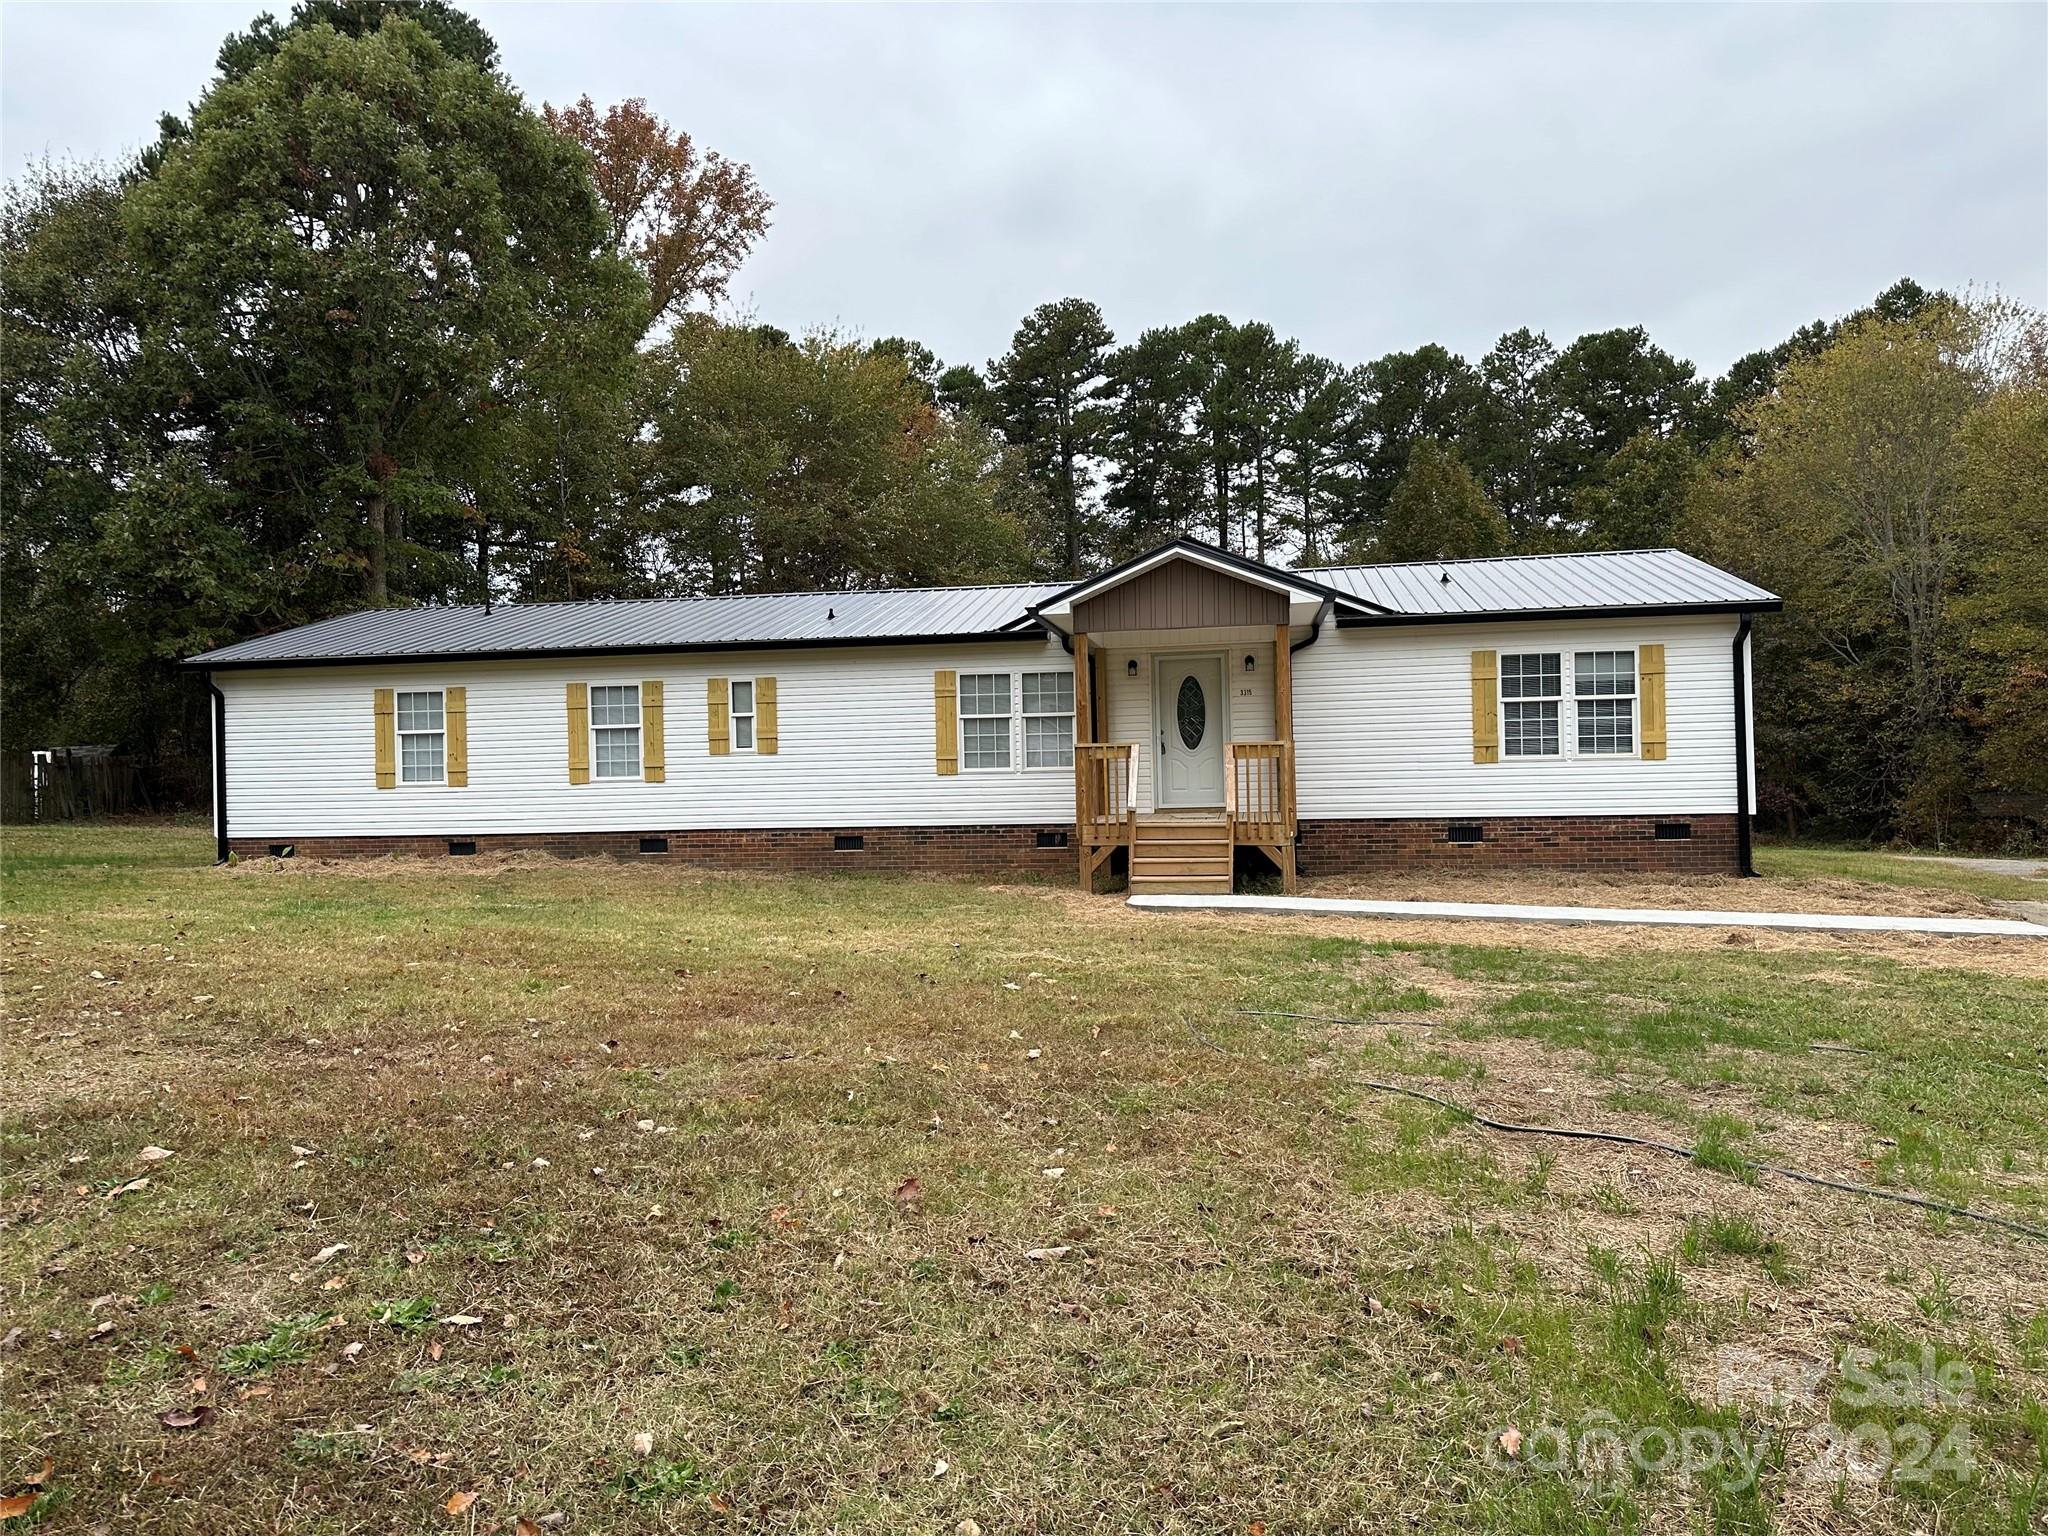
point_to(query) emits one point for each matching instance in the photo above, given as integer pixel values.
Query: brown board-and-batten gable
(1180, 594)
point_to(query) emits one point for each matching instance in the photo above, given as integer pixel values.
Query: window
(742, 709)
(1048, 719)
(985, 720)
(422, 737)
(1531, 689)
(615, 731)
(1604, 684)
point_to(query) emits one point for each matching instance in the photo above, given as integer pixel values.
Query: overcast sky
(1363, 178)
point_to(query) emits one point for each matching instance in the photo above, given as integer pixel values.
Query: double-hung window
(422, 737)
(1048, 719)
(742, 707)
(984, 720)
(1531, 693)
(1604, 688)
(615, 730)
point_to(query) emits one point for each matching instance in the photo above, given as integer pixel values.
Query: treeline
(364, 327)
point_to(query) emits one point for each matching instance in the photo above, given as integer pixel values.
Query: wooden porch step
(1184, 831)
(1182, 848)
(1180, 885)
(1146, 864)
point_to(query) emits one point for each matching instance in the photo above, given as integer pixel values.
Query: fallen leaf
(20, 1504)
(332, 1250)
(1043, 1255)
(195, 1417)
(967, 1528)
(415, 1256)
(458, 1502)
(643, 1444)
(524, 1527)
(909, 1190)
(1511, 1440)
(941, 1467)
(154, 1154)
(350, 1351)
(434, 1349)
(461, 1320)
(1511, 1343)
(127, 1189)
(42, 1478)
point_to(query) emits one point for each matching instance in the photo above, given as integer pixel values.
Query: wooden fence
(66, 786)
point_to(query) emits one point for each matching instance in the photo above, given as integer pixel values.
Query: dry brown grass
(757, 1169)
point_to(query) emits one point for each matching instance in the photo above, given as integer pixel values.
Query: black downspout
(1315, 629)
(220, 771)
(1744, 862)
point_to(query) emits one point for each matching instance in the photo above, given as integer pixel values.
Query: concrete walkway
(2019, 869)
(1666, 917)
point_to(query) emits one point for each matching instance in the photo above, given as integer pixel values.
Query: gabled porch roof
(1304, 598)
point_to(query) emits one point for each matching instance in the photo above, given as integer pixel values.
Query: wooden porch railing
(1258, 792)
(1105, 801)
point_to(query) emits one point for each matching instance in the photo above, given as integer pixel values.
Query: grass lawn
(618, 1197)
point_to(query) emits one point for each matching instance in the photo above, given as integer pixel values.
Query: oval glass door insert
(1191, 710)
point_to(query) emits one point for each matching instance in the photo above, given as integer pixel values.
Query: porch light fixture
(1251, 662)
(1131, 667)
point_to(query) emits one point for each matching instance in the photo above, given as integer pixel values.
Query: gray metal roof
(1577, 583)
(1622, 581)
(653, 624)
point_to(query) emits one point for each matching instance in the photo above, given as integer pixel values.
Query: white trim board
(1655, 917)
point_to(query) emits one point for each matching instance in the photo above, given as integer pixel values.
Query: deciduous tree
(686, 217)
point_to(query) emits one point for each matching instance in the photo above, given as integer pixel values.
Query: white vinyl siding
(864, 758)
(1383, 724)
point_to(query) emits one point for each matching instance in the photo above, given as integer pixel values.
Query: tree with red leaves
(686, 218)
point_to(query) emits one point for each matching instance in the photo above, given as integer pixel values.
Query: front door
(1190, 728)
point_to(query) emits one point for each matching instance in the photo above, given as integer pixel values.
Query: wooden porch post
(1283, 728)
(1084, 733)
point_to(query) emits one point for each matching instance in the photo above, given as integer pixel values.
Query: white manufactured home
(1586, 711)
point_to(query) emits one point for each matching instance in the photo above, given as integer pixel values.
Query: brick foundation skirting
(977, 850)
(1611, 844)
(1591, 844)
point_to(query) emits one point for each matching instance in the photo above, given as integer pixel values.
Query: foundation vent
(1673, 831)
(654, 845)
(848, 842)
(1465, 832)
(1052, 839)
(461, 846)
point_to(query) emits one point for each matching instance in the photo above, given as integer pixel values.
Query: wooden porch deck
(1185, 851)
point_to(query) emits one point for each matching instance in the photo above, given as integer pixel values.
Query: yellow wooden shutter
(579, 733)
(387, 739)
(946, 719)
(653, 733)
(765, 732)
(456, 720)
(718, 715)
(1650, 684)
(1485, 707)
